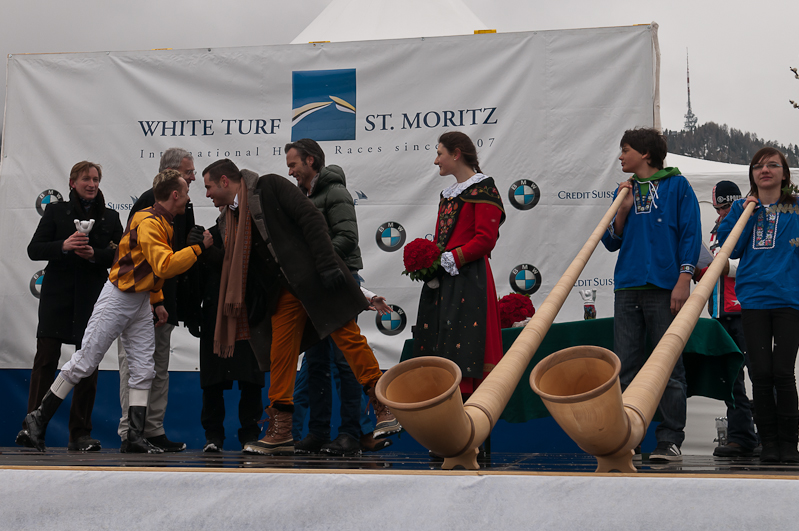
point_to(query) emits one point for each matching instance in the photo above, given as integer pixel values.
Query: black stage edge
(382, 462)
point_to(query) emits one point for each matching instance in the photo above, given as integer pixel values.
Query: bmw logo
(390, 236)
(392, 323)
(47, 197)
(525, 279)
(36, 283)
(524, 194)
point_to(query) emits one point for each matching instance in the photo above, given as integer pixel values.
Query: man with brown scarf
(270, 229)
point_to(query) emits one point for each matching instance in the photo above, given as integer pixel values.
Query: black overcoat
(242, 366)
(295, 234)
(72, 284)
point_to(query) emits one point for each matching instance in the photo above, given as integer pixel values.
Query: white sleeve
(368, 294)
(448, 263)
(733, 267)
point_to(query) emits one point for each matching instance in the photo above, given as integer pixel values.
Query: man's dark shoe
(665, 452)
(637, 453)
(370, 444)
(212, 447)
(732, 449)
(343, 445)
(162, 442)
(311, 444)
(84, 443)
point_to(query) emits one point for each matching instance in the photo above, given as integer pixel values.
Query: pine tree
(720, 143)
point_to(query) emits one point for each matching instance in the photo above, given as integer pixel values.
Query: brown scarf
(231, 313)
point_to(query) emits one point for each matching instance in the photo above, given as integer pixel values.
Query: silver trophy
(84, 227)
(589, 298)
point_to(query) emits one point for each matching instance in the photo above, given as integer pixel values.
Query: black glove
(195, 236)
(333, 279)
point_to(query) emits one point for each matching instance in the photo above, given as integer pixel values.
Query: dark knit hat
(725, 192)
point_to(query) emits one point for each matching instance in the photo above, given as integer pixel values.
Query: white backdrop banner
(545, 109)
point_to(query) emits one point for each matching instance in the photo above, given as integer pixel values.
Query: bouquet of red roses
(422, 258)
(514, 308)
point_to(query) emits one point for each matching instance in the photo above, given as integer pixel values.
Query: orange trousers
(288, 323)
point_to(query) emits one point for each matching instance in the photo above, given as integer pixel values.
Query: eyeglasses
(190, 172)
(770, 165)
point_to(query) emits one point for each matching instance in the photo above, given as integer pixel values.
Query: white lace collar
(456, 189)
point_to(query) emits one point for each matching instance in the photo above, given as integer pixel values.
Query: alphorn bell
(580, 385)
(423, 392)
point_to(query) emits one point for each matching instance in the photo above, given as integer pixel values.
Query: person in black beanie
(723, 306)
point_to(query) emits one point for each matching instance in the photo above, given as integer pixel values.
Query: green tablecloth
(711, 358)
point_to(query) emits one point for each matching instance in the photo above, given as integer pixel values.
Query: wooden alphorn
(580, 385)
(423, 392)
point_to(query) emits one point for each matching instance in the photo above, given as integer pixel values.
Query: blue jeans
(638, 315)
(302, 402)
(740, 428)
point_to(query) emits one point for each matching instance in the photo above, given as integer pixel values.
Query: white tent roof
(364, 20)
(703, 176)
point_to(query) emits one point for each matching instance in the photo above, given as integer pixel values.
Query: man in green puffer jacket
(326, 187)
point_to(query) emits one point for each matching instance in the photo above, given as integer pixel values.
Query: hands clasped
(199, 236)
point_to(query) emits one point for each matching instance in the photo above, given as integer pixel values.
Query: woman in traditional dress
(458, 318)
(76, 271)
(769, 300)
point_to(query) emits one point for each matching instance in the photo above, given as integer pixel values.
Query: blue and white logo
(392, 323)
(390, 236)
(323, 106)
(36, 283)
(525, 279)
(47, 197)
(524, 194)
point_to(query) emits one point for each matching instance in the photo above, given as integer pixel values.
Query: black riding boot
(137, 444)
(788, 439)
(36, 422)
(768, 435)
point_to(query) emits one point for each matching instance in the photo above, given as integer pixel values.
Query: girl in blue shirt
(770, 308)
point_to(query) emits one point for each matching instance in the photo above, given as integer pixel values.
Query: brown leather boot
(278, 439)
(386, 424)
(370, 444)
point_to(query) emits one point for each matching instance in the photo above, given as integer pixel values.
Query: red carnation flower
(421, 258)
(514, 308)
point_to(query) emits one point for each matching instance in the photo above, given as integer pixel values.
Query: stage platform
(385, 490)
(382, 462)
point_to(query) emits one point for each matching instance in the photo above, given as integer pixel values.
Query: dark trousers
(740, 428)
(772, 339)
(319, 358)
(251, 406)
(45, 365)
(638, 315)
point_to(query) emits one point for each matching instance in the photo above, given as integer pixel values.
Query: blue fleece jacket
(662, 233)
(769, 267)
